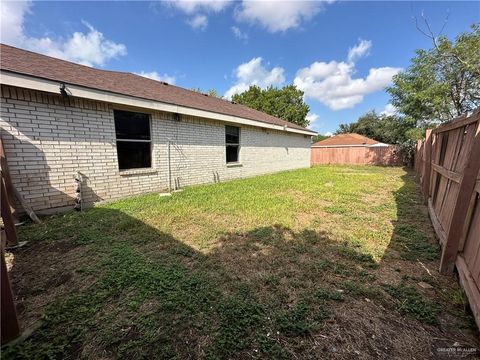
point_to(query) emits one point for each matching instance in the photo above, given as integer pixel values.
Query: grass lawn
(332, 261)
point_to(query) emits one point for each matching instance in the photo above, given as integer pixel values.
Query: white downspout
(169, 167)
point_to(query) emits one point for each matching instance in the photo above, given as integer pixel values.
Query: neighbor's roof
(346, 140)
(45, 67)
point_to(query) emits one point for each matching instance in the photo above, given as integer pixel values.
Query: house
(347, 140)
(121, 134)
(354, 149)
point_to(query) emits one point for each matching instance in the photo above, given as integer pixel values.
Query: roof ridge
(30, 63)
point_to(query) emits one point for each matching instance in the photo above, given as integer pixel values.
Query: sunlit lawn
(255, 268)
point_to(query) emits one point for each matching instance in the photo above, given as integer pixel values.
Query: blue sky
(341, 53)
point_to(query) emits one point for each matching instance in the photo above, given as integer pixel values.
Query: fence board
(356, 155)
(450, 156)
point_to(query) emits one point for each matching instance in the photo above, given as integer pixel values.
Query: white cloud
(198, 22)
(12, 16)
(194, 6)
(333, 84)
(254, 73)
(328, 133)
(159, 77)
(312, 117)
(360, 50)
(87, 48)
(277, 16)
(389, 110)
(197, 9)
(239, 34)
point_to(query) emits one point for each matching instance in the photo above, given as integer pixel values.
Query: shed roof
(29, 63)
(350, 139)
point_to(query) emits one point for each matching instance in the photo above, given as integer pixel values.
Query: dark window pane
(232, 153)
(133, 155)
(232, 134)
(131, 125)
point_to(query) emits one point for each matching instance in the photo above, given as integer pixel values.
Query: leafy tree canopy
(441, 83)
(209, 92)
(319, 137)
(390, 129)
(285, 103)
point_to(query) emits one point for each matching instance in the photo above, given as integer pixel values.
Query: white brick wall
(47, 139)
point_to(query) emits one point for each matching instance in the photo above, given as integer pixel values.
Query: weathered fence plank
(447, 164)
(460, 210)
(356, 155)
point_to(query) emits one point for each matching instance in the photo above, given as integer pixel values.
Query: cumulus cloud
(255, 73)
(197, 10)
(333, 83)
(159, 77)
(328, 133)
(239, 34)
(389, 110)
(278, 16)
(87, 48)
(198, 22)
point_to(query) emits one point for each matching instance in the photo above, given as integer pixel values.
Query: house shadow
(31, 173)
(105, 282)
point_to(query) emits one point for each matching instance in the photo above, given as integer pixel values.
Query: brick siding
(48, 139)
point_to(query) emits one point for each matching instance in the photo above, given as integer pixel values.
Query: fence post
(427, 165)
(6, 176)
(6, 214)
(467, 186)
(10, 328)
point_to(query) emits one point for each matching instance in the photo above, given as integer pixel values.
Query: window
(133, 139)
(232, 142)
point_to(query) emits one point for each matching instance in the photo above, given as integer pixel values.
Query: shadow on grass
(138, 292)
(109, 286)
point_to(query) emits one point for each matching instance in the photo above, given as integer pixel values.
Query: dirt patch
(43, 272)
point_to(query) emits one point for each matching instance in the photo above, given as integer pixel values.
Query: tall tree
(391, 129)
(285, 103)
(442, 82)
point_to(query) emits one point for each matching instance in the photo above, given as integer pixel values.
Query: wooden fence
(447, 163)
(356, 155)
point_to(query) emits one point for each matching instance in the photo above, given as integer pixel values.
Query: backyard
(332, 261)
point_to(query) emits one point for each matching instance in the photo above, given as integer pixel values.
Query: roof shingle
(41, 66)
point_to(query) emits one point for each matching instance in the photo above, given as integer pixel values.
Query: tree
(285, 103)
(209, 92)
(441, 83)
(390, 129)
(319, 137)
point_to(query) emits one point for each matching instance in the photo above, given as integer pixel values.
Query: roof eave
(41, 84)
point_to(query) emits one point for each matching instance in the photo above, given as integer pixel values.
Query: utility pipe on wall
(169, 167)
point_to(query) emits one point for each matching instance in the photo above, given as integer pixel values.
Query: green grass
(409, 301)
(244, 269)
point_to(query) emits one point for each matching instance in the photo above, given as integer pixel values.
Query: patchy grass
(308, 263)
(408, 300)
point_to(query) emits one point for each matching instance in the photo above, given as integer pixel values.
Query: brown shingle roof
(346, 139)
(46, 67)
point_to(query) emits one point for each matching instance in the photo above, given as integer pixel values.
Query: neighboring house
(126, 134)
(354, 149)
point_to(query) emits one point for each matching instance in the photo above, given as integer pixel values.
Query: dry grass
(315, 263)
